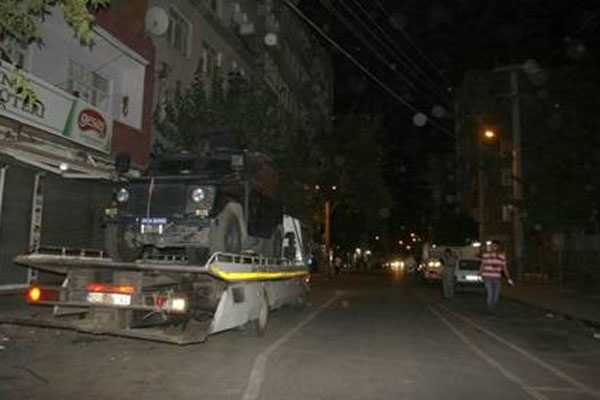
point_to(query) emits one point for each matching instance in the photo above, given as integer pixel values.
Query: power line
(391, 48)
(385, 87)
(419, 51)
(379, 55)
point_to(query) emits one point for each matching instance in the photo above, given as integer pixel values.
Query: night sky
(421, 49)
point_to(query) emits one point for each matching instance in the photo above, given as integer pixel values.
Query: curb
(564, 314)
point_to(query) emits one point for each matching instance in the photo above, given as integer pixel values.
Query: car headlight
(122, 195)
(197, 195)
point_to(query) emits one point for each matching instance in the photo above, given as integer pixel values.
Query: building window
(88, 85)
(179, 32)
(215, 6)
(210, 60)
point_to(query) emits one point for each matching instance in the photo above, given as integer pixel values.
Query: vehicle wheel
(197, 255)
(227, 236)
(263, 316)
(121, 243)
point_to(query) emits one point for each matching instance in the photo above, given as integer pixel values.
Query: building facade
(533, 185)
(57, 154)
(256, 39)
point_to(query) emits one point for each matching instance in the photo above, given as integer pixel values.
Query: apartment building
(257, 39)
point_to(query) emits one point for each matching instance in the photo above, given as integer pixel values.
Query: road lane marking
(257, 375)
(534, 393)
(557, 389)
(564, 376)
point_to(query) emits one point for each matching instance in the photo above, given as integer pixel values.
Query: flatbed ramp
(228, 291)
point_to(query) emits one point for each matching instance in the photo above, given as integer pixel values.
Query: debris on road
(597, 335)
(549, 315)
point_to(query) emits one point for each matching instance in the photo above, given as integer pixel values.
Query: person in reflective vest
(493, 264)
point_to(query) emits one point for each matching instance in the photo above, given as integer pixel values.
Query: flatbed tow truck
(162, 299)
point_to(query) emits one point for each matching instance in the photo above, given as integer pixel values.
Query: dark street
(374, 336)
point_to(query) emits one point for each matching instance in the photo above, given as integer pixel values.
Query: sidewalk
(569, 303)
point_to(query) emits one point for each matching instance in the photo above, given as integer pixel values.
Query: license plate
(472, 278)
(154, 221)
(115, 299)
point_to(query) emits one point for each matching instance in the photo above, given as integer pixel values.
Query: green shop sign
(56, 111)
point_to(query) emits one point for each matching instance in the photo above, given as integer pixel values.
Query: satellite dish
(157, 21)
(270, 39)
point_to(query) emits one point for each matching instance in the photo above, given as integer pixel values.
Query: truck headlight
(122, 195)
(197, 195)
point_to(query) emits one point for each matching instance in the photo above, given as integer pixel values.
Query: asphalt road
(372, 336)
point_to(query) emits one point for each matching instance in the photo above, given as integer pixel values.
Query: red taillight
(36, 294)
(102, 288)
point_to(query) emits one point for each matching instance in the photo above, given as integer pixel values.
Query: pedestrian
(337, 263)
(449, 261)
(493, 264)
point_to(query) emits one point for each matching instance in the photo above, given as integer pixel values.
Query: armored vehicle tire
(120, 243)
(227, 235)
(263, 315)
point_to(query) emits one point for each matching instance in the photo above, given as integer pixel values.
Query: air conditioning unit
(247, 29)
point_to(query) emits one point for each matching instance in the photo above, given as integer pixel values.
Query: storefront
(56, 174)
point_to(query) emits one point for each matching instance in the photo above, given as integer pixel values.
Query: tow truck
(164, 299)
(193, 246)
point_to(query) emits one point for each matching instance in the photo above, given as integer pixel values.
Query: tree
(19, 20)
(352, 164)
(252, 108)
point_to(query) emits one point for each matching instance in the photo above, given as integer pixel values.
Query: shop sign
(56, 111)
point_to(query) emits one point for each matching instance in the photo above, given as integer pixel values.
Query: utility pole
(329, 206)
(327, 226)
(517, 178)
(481, 191)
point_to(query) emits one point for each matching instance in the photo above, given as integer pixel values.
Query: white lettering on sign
(92, 120)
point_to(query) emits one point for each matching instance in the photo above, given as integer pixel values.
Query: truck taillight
(34, 294)
(103, 288)
(172, 303)
(178, 305)
(37, 294)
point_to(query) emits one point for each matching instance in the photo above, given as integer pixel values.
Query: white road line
(564, 376)
(536, 394)
(259, 367)
(557, 389)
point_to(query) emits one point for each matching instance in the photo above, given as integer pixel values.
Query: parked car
(467, 273)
